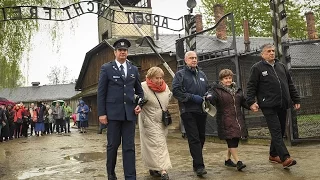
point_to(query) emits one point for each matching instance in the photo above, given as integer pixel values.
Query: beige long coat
(153, 134)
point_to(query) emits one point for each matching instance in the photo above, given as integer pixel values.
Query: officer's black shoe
(201, 172)
(112, 177)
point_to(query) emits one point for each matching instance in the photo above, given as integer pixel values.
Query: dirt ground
(82, 156)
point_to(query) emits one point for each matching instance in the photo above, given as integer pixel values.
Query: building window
(105, 35)
(303, 85)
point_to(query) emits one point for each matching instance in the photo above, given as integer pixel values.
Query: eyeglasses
(192, 58)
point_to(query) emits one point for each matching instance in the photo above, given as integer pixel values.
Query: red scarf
(156, 88)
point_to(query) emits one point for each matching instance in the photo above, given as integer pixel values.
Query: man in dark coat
(270, 81)
(189, 85)
(10, 117)
(3, 123)
(119, 81)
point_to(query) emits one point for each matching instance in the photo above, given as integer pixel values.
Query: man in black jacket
(3, 122)
(189, 86)
(271, 83)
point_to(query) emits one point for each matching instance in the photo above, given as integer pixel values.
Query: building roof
(305, 55)
(39, 93)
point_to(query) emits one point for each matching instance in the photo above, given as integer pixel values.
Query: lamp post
(191, 4)
(190, 25)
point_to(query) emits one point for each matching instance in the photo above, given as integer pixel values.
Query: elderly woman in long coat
(229, 99)
(153, 133)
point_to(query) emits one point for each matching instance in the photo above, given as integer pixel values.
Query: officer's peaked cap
(121, 44)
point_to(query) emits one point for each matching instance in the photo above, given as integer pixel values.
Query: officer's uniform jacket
(116, 93)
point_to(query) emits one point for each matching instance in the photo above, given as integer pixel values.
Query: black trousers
(195, 126)
(59, 123)
(11, 129)
(67, 124)
(24, 128)
(125, 131)
(32, 125)
(276, 121)
(4, 132)
(46, 128)
(18, 127)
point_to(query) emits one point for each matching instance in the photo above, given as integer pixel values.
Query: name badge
(201, 79)
(264, 73)
(116, 77)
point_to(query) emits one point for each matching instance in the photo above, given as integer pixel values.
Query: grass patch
(311, 117)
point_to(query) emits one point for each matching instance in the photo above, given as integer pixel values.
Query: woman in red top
(18, 120)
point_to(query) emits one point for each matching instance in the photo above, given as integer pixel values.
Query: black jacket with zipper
(188, 82)
(272, 85)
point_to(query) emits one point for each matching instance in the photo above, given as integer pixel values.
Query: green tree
(259, 16)
(314, 6)
(15, 39)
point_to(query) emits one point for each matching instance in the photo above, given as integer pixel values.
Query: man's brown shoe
(289, 162)
(275, 159)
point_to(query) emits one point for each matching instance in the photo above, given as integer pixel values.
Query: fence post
(280, 37)
(190, 28)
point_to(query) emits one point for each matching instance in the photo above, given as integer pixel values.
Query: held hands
(254, 107)
(137, 110)
(297, 106)
(103, 119)
(197, 99)
(209, 97)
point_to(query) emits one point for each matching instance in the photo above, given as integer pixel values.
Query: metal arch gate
(212, 60)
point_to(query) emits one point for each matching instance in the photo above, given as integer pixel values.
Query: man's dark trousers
(67, 124)
(195, 126)
(59, 123)
(124, 130)
(276, 121)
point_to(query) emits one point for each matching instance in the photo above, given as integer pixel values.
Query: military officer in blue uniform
(119, 81)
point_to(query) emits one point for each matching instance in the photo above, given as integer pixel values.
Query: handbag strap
(157, 99)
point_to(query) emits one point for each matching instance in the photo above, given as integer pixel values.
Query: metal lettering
(128, 15)
(147, 19)
(48, 11)
(16, 11)
(92, 6)
(156, 20)
(4, 14)
(34, 12)
(67, 9)
(138, 18)
(77, 8)
(165, 22)
(101, 9)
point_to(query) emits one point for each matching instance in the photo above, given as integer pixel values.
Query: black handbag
(166, 116)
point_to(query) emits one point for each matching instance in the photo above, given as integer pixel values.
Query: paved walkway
(82, 156)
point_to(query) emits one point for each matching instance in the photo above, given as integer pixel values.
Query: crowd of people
(270, 88)
(122, 100)
(41, 119)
